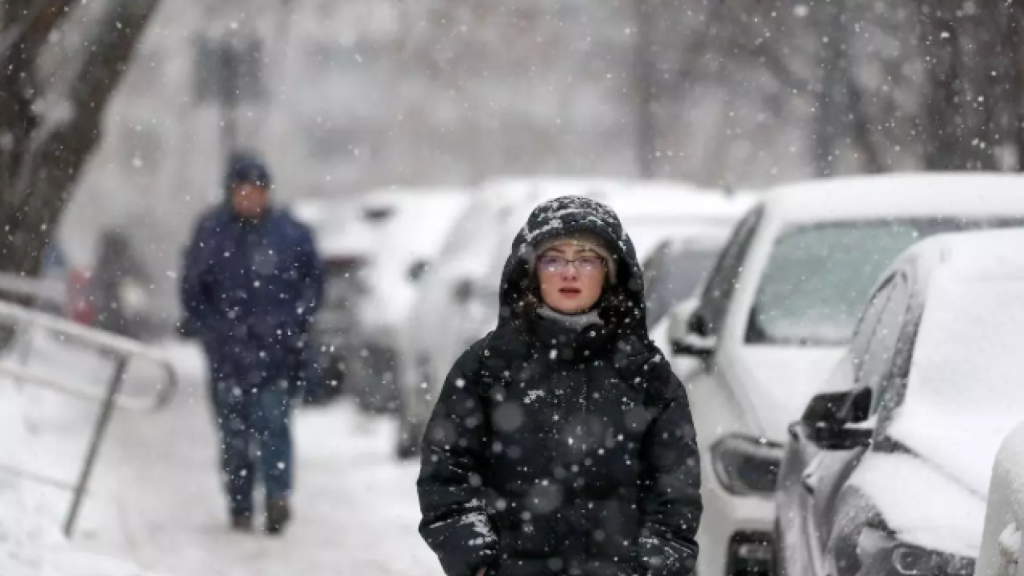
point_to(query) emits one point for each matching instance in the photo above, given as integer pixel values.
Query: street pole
(643, 77)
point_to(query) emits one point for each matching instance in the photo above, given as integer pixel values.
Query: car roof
(904, 195)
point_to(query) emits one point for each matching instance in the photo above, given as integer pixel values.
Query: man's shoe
(278, 514)
(241, 522)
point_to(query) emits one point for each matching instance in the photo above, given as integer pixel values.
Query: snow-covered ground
(155, 500)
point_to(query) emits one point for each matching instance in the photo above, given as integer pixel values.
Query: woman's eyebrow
(554, 250)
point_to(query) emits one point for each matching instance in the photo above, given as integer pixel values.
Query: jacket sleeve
(671, 504)
(455, 522)
(196, 286)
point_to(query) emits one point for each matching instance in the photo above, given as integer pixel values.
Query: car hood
(963, 445)
(775, 383)
(905, 489)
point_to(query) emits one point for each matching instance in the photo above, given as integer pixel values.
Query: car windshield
(819, 276)
(674, 278)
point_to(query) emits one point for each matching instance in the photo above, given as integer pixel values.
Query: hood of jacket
(245, 167)
(566, 216)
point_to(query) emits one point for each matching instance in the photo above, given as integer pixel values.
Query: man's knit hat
(246, 168)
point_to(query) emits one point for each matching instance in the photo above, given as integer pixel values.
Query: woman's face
(571, 277)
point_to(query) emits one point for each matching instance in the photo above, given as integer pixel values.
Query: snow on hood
(923, 506)
(777, 382)
(966, 385)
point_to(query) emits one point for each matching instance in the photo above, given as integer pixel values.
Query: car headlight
(879, 553)
(745, 465)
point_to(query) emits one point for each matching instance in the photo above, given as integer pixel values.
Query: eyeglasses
(584, 265)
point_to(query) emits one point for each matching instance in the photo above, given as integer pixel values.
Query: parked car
(405, 247)
(888, 469)
(676, 267)
(776, 313)
(344, 240)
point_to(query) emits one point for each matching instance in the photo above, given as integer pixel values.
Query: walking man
(251, 285)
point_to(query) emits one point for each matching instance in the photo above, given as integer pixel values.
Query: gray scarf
(574, 321)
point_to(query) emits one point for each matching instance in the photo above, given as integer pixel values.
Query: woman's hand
(482, 572)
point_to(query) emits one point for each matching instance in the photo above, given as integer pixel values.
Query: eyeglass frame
(603, 264)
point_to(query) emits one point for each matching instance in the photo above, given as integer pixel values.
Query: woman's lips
(569, 291)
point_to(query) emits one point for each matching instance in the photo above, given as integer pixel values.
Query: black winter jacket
(558, 451)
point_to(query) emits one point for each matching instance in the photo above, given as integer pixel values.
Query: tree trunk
(40, 158)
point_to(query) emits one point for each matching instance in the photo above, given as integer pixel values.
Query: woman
(561, 443)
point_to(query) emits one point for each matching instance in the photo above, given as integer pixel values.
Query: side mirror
(417, 270)
(828, 418)
(688, 333)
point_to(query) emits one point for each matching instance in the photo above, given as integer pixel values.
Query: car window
(673, 276)
(877, 362)
(819, 276)
(721, 284)
(866, 328)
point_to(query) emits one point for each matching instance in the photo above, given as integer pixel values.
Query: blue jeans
(255, 435)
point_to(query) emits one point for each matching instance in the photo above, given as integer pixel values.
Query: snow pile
(31, 511)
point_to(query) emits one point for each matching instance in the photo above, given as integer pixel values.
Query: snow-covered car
(457, 303)
(777, 312)
(888, 469)
(406, 246)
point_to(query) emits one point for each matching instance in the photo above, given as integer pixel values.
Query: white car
(406, 245)
(888, 470)
(776, 314)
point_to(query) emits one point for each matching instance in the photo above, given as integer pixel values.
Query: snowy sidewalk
(156, 499)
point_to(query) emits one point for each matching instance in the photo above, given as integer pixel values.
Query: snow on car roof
(419, 227)
(672, 199)
(897, 195)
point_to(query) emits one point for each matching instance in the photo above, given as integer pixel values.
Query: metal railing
(120, 350)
